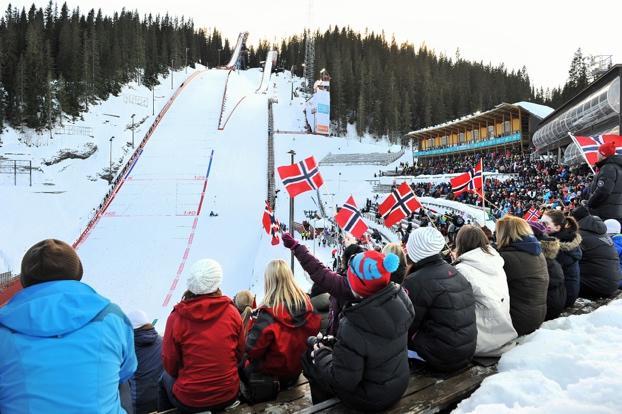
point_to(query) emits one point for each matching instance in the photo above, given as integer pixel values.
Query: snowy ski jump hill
(158, 221)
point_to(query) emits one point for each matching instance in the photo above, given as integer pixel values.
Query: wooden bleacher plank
(444, 393)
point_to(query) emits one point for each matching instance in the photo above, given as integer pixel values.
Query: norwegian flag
(590, 145)
(300, 177)
(398, 205)
(469, 181)
(532, 215)
(271, 224)
(350, 219)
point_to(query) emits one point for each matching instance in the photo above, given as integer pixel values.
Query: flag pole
(574, 139)
(291, 215)
(483, 196)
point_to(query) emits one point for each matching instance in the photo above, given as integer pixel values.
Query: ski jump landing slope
(139, 253)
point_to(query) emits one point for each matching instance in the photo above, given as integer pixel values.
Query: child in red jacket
(202, 347)
(278, 335)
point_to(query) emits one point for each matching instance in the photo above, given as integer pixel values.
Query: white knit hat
(138, 318)
(205, 277)
(613, 226)
(424, 242)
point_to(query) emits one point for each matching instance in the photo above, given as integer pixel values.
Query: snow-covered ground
(63, 196)
(139, 251)
(571, 365)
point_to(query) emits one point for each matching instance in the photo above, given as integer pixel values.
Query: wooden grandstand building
(504, 127)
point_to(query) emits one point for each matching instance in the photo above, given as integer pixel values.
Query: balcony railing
(507, 139)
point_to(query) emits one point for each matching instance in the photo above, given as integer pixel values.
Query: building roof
(536, 110)
(541, 111)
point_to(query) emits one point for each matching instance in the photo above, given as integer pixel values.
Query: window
(507, 128)
(491, 131)
(444, 140)
(475, 134)
(461, 137)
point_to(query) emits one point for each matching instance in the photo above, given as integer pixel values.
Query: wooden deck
(427, 392)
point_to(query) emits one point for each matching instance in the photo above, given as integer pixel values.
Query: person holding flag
(606, 190)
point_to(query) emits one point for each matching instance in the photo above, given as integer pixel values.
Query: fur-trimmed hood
(571, 245)
(550, 247)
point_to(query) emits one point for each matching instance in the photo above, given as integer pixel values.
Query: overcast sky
(540, 34)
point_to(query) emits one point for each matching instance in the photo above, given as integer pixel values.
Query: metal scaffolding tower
(309, 65)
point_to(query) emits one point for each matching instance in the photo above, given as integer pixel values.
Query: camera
(327, 340)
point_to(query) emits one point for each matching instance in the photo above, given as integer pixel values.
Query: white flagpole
(574, 139)
(481, 160)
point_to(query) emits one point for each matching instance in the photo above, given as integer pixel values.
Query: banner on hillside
(317, 110)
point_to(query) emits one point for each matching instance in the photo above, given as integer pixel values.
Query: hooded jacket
(528, 282)
(492, 300)
(325, 280)
(556, 294)
(202, 347)
(444, 331)
(278, 338)
(321, 304)
(144, 384)
(368, 366)
(600, 264)
(568, 257)
(64, 349)
(606, 189)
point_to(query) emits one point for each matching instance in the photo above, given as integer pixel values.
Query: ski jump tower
(309, 66)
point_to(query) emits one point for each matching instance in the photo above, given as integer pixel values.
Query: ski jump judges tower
(317, 108)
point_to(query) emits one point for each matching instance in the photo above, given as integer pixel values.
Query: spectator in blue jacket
(613, 230)
(148, 347)
(65, 348)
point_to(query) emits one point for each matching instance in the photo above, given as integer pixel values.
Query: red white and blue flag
(590, 145)
(532, 215)
(401, 203)
(301, 177)
(271, 224)
(349, 219)
(470, 181)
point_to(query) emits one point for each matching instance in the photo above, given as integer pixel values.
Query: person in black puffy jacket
(565, 229)
(148, 346)
(600, 265)
(526, 270)
(444, 332)
(556, 294)
(367, 367)
(606, 189)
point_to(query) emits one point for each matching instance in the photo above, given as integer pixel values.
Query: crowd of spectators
(540, 183)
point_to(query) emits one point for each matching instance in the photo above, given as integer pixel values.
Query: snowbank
(569, 365)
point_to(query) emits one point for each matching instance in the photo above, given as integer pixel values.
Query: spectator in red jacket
(278, 335)
(203, 346)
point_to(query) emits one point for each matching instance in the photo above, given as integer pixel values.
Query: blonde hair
(281, 288)
(243, 301)
(396, 248)
(511, 228)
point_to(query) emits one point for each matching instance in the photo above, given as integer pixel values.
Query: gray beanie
(424, 242)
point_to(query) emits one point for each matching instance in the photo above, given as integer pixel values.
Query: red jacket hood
(293, 319)
(203, 308)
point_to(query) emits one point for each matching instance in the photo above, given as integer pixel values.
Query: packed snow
(570, 365)
(139, 250)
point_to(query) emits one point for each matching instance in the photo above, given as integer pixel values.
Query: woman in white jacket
(482, 266)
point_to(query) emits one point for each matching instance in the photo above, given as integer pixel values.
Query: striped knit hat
(370, 272)
(424, 242)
